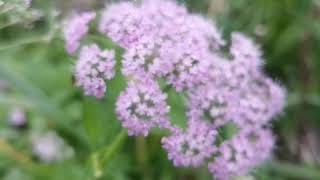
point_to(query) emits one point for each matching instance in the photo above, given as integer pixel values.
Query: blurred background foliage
(36, 74)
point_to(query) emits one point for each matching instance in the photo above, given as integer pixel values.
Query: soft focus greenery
(38, 72)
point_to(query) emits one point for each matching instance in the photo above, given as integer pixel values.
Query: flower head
(244, 151)
(142, 106)
(190, 65)
(151, 56)
(75, 29)
(246, 59)
(121, 23)
(161, 39)
(211, 102)
(244, 49)
(192, 147)
(93, 67)
(260, 101)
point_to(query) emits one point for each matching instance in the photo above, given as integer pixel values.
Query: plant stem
(113, 148)
(9, 24)
(294, 171)
(142, 156)
(5, 10)
(101, 158)
(38, 39)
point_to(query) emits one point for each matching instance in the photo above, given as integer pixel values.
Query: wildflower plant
(166, 47)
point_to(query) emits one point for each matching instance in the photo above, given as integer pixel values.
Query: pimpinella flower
(93, 67)
(191, 65)
(126, 23)
(244, 151)
(213, 103)
(121, 23)
(75, 29)
(192, 147)
(208, 30)
(153, 51)
(246, 59)
(142, 106)
(151, 56)
(162, 39)
(260, 101)
(243, 48)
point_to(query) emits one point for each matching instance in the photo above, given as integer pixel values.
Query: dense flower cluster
(223, 85)
(75, 29)
(193, 147)
(162, 39)
(259, 102)
(142, 106)
(212, 103)
(241, 153)
(93, 67)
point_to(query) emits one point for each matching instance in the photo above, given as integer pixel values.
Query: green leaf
(42, 104)
(177, 108)
(94, 118)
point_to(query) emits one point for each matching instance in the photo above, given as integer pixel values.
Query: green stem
(96, 165)
(101, 158)
(38, 39)
(142, 156)
(294, 171)
(5, 10)
(10, 23)
(113, 148)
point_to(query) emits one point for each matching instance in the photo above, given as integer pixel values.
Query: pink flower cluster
(223, 85)
(93, 67)
(75, 29)
(244, 151)
(142, 106)
(163, 40)
(192, 147)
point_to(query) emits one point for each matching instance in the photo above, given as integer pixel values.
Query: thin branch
(101, 158)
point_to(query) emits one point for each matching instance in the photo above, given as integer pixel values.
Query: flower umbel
(222, 85)
(193, 147)
(244, 151)
(93, 67)
(75, 29)
(142, 106)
